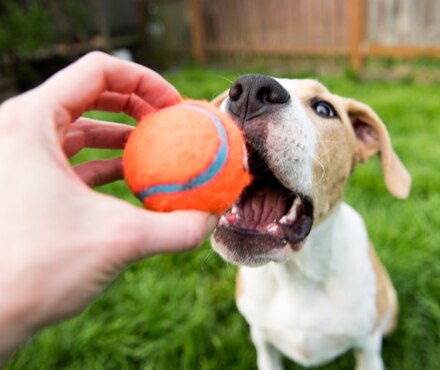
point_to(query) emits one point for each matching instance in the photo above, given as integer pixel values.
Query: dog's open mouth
(272, 211)
(267, 209)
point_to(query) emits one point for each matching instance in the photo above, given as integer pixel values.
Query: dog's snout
(254, 95)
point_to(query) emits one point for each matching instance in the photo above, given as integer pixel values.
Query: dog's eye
(324, 109)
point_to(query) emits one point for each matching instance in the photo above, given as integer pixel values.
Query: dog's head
(303, 142)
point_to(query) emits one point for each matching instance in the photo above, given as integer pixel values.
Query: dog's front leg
(268, 357)
(368, 354)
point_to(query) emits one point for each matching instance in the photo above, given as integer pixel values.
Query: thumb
(155, 232)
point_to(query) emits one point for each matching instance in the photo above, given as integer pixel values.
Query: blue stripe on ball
(207, 175)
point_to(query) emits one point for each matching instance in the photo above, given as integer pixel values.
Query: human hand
(61, 243)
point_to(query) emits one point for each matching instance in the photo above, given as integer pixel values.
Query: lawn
(178, 312)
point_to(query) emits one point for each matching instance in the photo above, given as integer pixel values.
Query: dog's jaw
(282, 176)
(245, 237)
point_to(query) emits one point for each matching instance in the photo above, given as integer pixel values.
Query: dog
(309, 284)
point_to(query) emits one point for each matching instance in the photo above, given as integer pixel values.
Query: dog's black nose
(254, 95)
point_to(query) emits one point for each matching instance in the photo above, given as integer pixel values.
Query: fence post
(356, 16)
(197, 35)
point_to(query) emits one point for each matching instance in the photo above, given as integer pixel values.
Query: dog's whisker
(226, 79)
(321, 165)
(211, 252)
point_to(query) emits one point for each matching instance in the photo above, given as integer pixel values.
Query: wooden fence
(402, 28)
(353, 28)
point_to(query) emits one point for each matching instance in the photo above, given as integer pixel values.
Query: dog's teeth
(297, 202)
(223, 221)
(291, 215)
(272, 229)
(234, 211)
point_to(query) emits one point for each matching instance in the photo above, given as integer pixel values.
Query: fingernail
(212, 223)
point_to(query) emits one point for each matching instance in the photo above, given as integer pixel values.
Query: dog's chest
(308, 317)
(308, 348)
(309, 327)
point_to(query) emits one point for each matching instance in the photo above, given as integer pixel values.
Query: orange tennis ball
(187, 156)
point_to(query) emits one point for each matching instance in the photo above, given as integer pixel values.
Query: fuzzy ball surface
(187, 156)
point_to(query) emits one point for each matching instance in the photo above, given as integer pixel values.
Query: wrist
(14, 329)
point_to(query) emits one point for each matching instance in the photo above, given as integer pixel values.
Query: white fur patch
(291, 143)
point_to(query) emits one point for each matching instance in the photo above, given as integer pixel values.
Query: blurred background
(37, 37)
(178, 311)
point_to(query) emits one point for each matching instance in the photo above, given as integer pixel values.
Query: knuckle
(95, 57)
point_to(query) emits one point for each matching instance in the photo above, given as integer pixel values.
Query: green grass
(178, 312)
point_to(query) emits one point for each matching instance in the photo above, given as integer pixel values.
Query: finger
(100, 172)
(155, 232)
(128, 103)
(90, 133)
(77, 87)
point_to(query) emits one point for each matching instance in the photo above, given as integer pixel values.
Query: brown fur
(342, 145)
(386, 299)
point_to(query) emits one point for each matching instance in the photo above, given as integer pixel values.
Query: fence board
(403, 22)
(354, 28)
(197, 31)
(253, 25)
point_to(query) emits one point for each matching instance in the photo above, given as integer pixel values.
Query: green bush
(25, 28)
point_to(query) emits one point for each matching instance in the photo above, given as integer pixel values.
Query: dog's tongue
(259, 208)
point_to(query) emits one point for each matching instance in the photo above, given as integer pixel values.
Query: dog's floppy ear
(218, 100)
(373, 138)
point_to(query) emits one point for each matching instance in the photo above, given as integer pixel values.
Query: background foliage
(27, 26)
